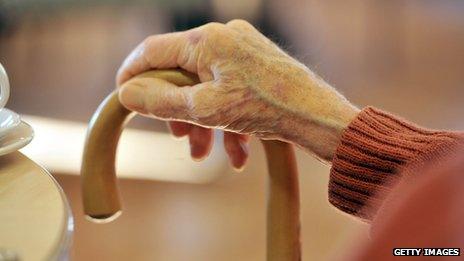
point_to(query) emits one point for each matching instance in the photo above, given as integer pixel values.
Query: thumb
(156, 97)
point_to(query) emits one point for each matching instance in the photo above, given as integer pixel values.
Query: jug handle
(100, 193)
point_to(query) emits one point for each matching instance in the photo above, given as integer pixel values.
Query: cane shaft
(100, 192)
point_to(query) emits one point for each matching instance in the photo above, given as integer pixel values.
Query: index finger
(162, 51)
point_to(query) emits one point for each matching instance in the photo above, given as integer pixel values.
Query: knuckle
(152, 106)
(214, 28)
(145, 47)
(160, 109)
(239, 23)
(148, 40)
(194, 36)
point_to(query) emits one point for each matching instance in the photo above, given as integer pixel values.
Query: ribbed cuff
(373, 150)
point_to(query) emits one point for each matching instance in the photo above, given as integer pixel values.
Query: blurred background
(61, 55)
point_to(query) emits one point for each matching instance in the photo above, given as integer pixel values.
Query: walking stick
(100, 192)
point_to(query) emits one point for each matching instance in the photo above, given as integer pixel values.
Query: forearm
(367, 149)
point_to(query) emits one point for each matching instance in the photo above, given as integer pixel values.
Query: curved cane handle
(100, 192)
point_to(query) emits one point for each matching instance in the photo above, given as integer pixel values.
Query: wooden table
(35, 218)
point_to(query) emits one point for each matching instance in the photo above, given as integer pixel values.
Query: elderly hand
(249, 87)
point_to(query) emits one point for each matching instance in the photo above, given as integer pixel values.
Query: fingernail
(178, 137)
(238, 169)
(239, 165)
(131, 96)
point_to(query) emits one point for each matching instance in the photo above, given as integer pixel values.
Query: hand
(249, 87)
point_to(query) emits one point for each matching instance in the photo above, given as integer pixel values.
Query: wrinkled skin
(249, 87)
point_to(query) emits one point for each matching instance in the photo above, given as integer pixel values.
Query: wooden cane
(100, 192)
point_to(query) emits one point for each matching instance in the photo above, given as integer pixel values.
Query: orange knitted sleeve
(376, 148)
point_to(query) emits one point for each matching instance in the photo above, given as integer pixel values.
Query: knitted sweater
(376, 149)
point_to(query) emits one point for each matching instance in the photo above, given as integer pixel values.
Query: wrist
(316, 125)
(320, 138)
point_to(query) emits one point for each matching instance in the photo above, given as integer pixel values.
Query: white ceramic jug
(4, 87)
